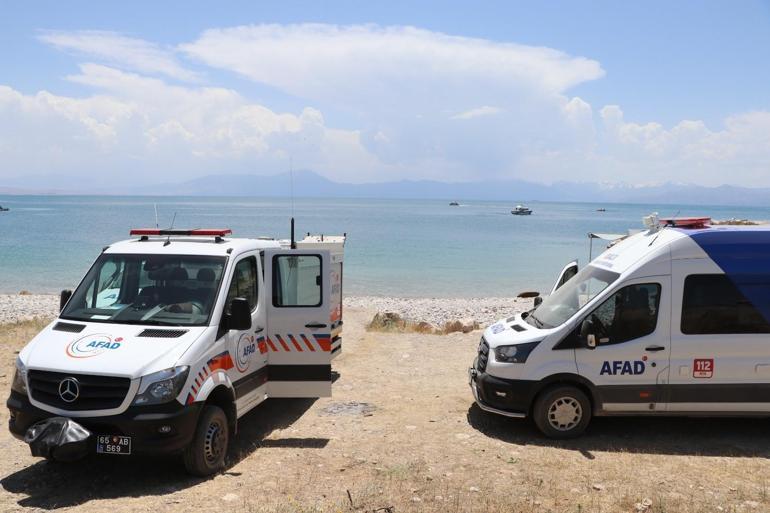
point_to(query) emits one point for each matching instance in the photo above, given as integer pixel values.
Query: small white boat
(521, 210)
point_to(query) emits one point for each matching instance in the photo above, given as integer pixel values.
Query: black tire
(562, 412)
(206, 453)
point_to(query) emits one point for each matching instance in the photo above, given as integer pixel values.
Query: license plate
(113, 444)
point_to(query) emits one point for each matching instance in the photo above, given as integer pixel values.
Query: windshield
(571, 297)
(167, 290)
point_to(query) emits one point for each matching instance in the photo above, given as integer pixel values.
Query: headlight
(514, 354)
(19, 383)
(162, 386)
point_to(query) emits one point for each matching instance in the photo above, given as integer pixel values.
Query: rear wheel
(206, 454)
(562, 412)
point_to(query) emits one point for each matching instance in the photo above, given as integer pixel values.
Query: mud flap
(58, 438)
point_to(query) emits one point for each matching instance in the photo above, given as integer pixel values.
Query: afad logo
(622, 367)
(245, 350)
(92, 345)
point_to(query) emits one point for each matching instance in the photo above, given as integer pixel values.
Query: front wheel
(206, 453)
(562, 412)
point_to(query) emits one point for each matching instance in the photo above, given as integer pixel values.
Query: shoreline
(434, 310)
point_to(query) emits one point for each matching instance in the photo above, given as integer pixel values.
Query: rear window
(297, 280)
(713, 305)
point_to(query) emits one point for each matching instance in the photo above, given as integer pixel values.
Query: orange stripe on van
(307, 343)
(272, 346)
(294, 341)
(285, 347)
(324, 342)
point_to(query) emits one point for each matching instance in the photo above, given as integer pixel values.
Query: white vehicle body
(116, 346)
(666, 322)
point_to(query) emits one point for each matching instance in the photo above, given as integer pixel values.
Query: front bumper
(141, 423)
(510, 398)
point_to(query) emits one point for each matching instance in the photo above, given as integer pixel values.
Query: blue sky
(661, 64)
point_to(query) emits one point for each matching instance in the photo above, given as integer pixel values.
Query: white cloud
(120, 50)
(408, 96)
(485, 110)
(149, 129)
(354, 63)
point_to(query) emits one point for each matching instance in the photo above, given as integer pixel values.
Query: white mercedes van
(171, 337)
(670, 321)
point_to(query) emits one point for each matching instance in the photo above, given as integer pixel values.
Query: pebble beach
(435, 311)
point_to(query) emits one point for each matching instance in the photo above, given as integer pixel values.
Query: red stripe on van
(285, 347)
(307, 343)
(294, 341)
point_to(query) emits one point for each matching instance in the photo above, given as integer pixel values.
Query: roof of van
(732, 248)
(191, 246)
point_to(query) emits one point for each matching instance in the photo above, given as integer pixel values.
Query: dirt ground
(402, 434)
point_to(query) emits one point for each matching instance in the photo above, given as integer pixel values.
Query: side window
(244, 283)
(297, 280)
(630, 313)
(109, 282)
(712, 304)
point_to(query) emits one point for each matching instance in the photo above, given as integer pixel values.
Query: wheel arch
(568, 379)
(224, 397)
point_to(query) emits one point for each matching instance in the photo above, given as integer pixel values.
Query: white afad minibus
(171, 337)
(674, 320)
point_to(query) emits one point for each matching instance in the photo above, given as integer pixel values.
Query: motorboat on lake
(454, 204)
(521, 210)
(4, 209)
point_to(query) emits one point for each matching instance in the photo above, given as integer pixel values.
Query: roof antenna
(291, 194)
(168, 240)
(156, 215)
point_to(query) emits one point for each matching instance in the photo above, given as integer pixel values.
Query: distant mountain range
(310, 184)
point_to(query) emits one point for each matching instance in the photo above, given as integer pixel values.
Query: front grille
(96, 392)
(481, 363)
(69, 327)
(155, 333)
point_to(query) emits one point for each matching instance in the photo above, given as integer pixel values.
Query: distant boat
(3, 209)
(521, 210)
(601, 209)
(454, 204)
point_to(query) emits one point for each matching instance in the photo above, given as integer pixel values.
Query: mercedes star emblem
(69, 390)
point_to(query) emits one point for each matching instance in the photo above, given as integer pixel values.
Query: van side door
(629, 364)
(298, 326)
(569, 270)
(720, 360)
(248, 365)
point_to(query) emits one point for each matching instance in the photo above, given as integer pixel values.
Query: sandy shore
(436, 311)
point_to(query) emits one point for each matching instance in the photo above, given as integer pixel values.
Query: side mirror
(538, 300)
(240, 315)
(587, 334)
(63, 298)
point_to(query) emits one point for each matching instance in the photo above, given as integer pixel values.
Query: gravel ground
(21, 307)
(401, 434)
(436, 311)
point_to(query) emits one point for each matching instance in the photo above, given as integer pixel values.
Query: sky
(639, 93)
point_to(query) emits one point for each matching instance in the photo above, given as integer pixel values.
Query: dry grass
(391, 322)
(19, 333)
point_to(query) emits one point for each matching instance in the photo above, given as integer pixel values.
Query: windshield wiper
(538, 323)
(160, 323)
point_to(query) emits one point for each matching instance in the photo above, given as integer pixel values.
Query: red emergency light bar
(686, 222)
(199, 232)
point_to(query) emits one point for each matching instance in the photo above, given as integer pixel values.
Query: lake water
(402, 248)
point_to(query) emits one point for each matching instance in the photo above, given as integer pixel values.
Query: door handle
(315, 325)
(654, 348)
(259, 329)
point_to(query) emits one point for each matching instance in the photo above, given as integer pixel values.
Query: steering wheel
(177, 308)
